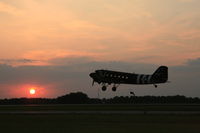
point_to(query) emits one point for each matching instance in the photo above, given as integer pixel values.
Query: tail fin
(160, 75)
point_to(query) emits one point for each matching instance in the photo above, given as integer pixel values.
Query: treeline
(81, 98)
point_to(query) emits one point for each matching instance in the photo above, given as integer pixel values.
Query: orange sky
(160, 32)
(43, 41)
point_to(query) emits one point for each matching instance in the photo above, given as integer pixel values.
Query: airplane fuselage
(115, 77)
(105, 76)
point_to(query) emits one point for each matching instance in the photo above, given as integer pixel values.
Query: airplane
(108, 77)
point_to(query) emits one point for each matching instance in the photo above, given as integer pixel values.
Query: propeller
(93, 83)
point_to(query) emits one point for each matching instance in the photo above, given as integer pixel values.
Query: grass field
(98, 123)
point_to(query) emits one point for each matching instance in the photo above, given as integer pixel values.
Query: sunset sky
(54, 45)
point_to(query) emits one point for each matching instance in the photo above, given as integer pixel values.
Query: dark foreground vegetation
(81, 98)
(93, 123)
(12, 121)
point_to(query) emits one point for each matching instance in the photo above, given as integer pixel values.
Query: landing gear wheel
(104, 88)
(155, 86)
(114, 88)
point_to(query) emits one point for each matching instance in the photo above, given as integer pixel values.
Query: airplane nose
(92, 75)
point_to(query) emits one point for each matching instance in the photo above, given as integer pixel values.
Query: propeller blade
(93, 83)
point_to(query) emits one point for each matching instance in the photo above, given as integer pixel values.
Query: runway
(102, 112)
(107, 109)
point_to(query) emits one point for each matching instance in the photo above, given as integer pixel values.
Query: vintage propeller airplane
(107, 77)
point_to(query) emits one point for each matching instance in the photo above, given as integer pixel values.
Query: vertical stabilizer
(160, 75)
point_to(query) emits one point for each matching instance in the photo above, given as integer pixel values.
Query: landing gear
(114, 88)
(155, 86)
(104, 88)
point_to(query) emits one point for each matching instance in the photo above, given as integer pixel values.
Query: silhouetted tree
(81, 98)
(73, 98)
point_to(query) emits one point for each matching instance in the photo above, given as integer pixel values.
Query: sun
(32, 91)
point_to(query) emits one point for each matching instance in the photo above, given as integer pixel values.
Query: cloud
(57, 43)
(129, 31)
(60, 57)
(195, 62)
(187, 1)
(15, 61)
(74, 76)
(10, 9)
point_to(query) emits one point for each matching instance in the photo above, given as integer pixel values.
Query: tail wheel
(132, 93)
(104, 88)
